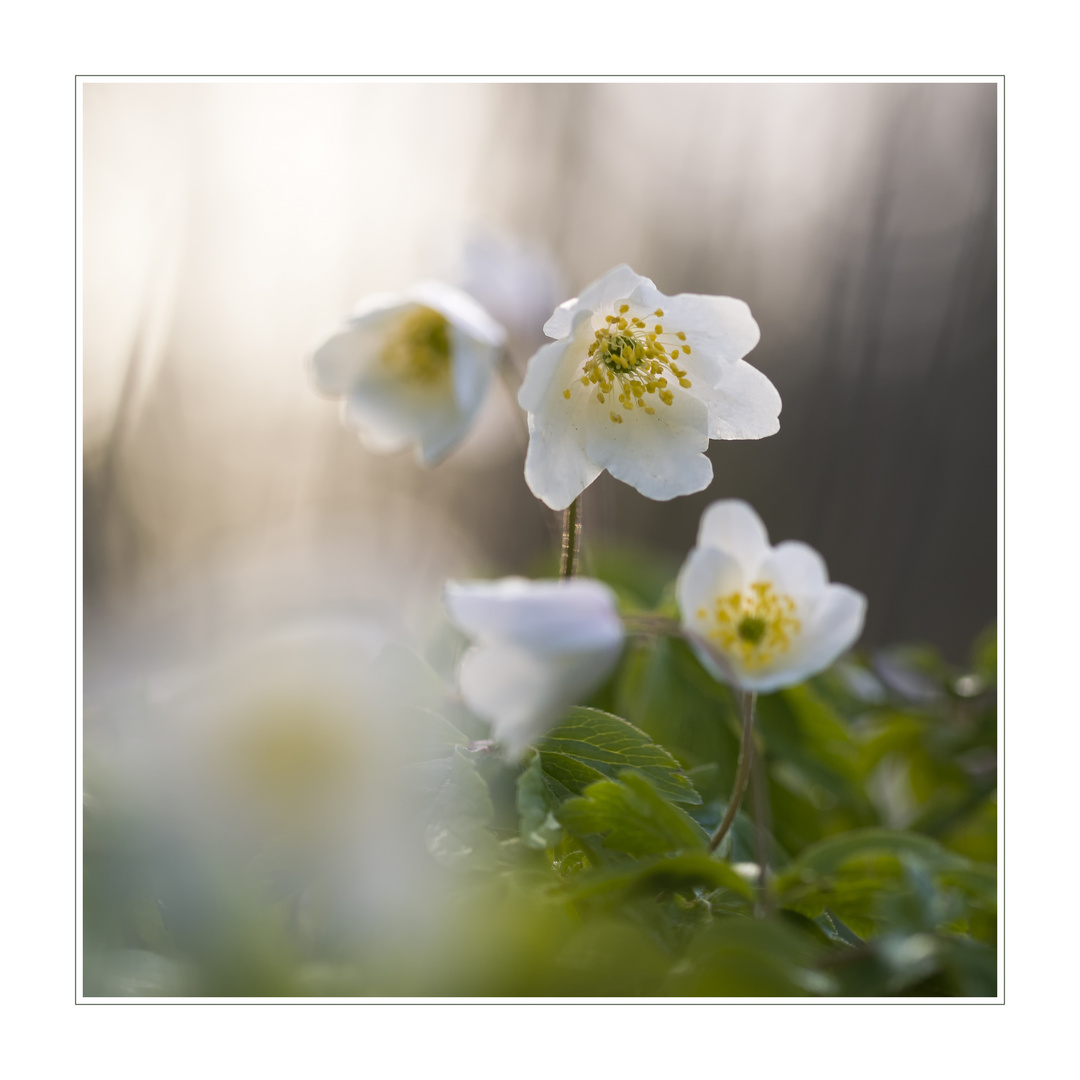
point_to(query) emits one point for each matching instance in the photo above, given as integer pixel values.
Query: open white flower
(413, 368)
(761, 617)
(540, 647)
(638, 383)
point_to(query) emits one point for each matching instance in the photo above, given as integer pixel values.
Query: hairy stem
(571, 540)
(742, 771)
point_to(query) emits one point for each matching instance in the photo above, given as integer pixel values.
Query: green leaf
(828, 856)
(632, 817)
(663, 689)
(591, 745)
(539, 827)
(458, 834)
(671, 874)
(742, 957)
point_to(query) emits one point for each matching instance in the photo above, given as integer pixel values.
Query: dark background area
(227, 227)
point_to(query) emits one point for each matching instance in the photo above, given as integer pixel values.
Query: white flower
(638, 383)
(540, 646)
(762, 617)
(413, 368)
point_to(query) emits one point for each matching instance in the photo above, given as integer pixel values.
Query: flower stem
(759, 793)
(571, 540)
(742, 771)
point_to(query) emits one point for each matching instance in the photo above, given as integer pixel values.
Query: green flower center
(754, 626)
(418, 348)
(636, 355)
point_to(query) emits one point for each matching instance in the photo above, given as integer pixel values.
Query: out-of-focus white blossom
(540, 647)
(519, 284)
(761, 617)
(638, 383)
(413, 368)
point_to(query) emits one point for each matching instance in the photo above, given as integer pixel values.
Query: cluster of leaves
(585, 869)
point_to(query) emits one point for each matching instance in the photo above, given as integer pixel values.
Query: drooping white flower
(761, 617)
(638, 383)
(413, 368)
(540, 647)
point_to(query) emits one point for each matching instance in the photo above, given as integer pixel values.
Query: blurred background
(228, 228)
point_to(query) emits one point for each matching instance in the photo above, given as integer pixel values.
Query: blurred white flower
(518, 283)
(638, 383)
(761, 617)
(413, 368)
(540, 647)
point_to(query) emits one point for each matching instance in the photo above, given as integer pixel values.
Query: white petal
(795, 568)
(706, 575)
(731, 525)
(660, 455)
(833, 627)
(548, 617)
(460, 309)
(720, 326)
(743, 404)
(617, 284)
(390, 414)
(555, 362)
(712, 659)
(557, 468)
(350, 352)
(474, 362)
(523, 695)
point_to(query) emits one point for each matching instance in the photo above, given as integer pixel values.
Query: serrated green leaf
(590, 745)
(632, 817)
(539, 827)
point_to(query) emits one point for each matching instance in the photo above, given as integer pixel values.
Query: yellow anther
(624, 309)
(600, 397)
(418, 349)
(686, 349)
(658, 328)
(680, 335)
(611, 319)
(623, 324)
(754, 625)
(566, 393)
(650, 410)
(674, 354)
(685, 383)
(627, 403)
(661, 382)
(667, 397)
(637, 389)
(615, 418)
(659, 313)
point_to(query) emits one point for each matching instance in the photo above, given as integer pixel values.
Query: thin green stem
(742, 771)
(760, 795)
(571, 540)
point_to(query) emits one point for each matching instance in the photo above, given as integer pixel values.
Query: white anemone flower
(638, 383)
(413, 368)
(540, 647)
(761, 617)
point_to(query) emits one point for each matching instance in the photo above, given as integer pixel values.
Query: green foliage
(589, 745)
(584, 870)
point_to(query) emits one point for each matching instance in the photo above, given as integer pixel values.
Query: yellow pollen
(659, 313)
(626, 352)
(418, 348)
(753, 626)
(566, 393)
